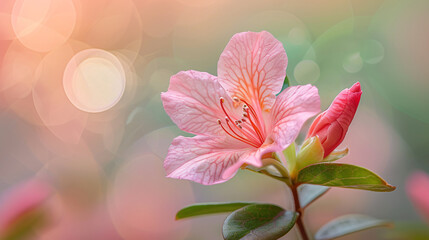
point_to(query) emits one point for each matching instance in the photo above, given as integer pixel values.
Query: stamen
(240, 139)
(252, 135)
(246, 108)
(256, 129)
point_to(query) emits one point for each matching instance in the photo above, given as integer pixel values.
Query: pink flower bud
(331, 126)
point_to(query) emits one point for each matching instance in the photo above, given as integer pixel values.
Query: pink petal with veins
(253, 67)
(293, 107)
(203, 159)
(192, 102)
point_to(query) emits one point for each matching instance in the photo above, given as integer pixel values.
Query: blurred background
(80, 85)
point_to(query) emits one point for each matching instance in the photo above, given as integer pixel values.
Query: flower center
(247, 129)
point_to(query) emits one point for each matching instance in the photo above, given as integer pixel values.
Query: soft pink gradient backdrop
(80, 85)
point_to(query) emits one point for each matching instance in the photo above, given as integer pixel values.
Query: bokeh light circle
(298, 35)
(372, 51)
(306, 71)
(18, 71)
(45, 24)
(353, 63)
(94, 80)
(51, 105)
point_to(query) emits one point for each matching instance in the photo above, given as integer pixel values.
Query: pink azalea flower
(418, 191)
(331, 126)
(236, 116)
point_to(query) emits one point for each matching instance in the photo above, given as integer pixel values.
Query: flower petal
(252, 157)
(292, 108)
(203, 159)
(192, 102)
(253, 67)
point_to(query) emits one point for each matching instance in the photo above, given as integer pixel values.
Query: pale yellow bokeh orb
(94, 80)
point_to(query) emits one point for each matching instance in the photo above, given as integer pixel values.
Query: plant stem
(299, 210)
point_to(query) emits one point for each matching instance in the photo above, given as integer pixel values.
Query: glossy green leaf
(343, 175)
(258, 221)
(348, 224)
(308, 193)
(209, 208)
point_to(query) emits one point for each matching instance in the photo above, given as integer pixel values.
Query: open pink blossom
(418, 191)
(236, 116)
(331, 126)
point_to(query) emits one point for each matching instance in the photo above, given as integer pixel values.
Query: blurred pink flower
(418, 190)
(236, 116)
(331, 126)
(22, 204)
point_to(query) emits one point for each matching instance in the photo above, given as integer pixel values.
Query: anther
(235, 99)
(219, 121)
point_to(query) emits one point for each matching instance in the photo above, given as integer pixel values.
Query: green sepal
(311, 152)
(290, 156)
(336, 155)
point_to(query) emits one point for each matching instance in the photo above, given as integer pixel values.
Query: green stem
(300, 211)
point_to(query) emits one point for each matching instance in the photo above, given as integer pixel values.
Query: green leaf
(308, 193)
(258, 221)
(348, 224)
(286, 84)
(343, 175)
(209, 208)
